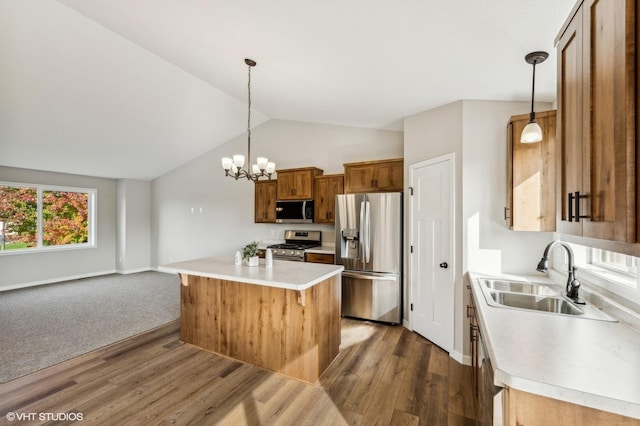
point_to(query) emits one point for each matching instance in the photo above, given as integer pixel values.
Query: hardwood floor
(383, 375)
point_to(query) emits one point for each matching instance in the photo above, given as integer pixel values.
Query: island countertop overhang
(283, 274)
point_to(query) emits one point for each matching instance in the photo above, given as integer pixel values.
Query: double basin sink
(535, 297)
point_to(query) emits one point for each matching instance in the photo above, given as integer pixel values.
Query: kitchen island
(285, 319)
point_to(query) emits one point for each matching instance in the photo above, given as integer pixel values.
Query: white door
(431, 262)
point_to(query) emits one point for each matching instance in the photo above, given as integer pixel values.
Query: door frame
(452, 226)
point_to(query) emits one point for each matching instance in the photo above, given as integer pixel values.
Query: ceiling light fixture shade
(233, 167)
(532, 131)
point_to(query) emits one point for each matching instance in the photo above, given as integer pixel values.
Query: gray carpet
(42, 326)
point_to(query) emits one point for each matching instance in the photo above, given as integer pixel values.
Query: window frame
(609, 277)
(92, 217)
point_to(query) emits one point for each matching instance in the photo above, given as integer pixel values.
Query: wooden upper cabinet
(327, 187)
(374, 176)
(297, 184)
(265, 201)
(597, 100)
(531, 180)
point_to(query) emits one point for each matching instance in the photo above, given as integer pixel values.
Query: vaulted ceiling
(133, 89)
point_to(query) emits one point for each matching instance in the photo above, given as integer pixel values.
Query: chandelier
(233, 167)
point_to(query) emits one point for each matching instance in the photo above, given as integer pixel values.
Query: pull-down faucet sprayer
(572, 282)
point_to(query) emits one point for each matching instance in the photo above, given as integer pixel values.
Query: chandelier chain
(249, 120)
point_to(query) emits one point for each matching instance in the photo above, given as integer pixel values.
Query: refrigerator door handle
(370, 276)
(362, 228)
(367, 215)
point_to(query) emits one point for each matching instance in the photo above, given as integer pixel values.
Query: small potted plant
(250, 253)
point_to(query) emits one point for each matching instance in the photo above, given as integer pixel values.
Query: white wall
(476, 132)
(17, 270)
(223, 209)
(133, 247)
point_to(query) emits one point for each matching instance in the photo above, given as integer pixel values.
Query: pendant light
(233, 167)
(532, 131)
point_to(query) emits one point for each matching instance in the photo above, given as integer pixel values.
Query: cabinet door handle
(577, 198)
(506, 209)
(570, 207)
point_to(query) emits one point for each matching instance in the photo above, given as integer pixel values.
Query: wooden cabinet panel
(570, 121)
(531, 179)
(523, 408)
(297, 184)
(326, 189)
(265, 201)
(374, 176)
(389, 176)
(358, 178)
(597, 107)
(320, 258)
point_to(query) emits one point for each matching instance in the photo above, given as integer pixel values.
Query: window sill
(609, 276)
(47, 249)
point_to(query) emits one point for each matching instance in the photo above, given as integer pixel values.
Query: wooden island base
(292, 332)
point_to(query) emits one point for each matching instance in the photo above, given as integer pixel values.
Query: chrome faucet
(572, 282)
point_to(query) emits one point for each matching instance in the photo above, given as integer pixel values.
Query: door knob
(444, 265)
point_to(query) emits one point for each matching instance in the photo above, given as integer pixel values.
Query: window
(39, 217)
(614, 272)
(614, 261)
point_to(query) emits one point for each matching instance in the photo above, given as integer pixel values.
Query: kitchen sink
(537, 297)
(520, 287)
(537, 303)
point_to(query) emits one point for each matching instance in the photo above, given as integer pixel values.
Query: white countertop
(284, 274)
(588, 362)
(323, 249)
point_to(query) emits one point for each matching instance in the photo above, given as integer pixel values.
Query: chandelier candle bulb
(226, 163)
(238, 160)
(271, 167)
(262, 162)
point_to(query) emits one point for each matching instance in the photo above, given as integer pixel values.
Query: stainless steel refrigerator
(369, 245)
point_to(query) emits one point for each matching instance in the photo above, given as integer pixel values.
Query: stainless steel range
(295, 243)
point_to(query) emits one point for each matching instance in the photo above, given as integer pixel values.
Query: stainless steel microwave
(294, 211)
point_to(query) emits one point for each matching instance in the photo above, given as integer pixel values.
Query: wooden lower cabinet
(320, 258)
(292, 332)
(523, 408)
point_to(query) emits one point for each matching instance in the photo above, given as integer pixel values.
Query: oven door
(297, 211)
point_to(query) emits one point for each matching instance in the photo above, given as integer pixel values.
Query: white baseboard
(460, 357)
(56, 280)
(133, 271)
(405, 324)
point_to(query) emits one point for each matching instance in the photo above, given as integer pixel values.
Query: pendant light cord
(532, 114)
